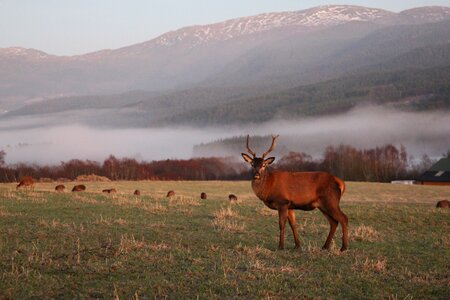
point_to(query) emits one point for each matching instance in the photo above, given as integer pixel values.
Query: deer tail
(341, 185)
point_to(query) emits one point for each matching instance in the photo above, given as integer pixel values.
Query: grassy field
(94, 245)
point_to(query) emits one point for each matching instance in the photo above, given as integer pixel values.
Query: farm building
(438, 174)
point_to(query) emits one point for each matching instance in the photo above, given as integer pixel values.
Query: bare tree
(2, 157)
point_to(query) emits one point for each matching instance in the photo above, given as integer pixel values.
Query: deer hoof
(297, 246)
(343, 249)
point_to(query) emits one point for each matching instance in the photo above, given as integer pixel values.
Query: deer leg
(344, 224)
(333, 226)
(282, 218)
(339, 216)
(291, 219)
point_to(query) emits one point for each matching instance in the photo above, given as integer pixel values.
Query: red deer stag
(286, 191)
(26, 182)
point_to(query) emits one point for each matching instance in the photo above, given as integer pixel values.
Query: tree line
(380, 164)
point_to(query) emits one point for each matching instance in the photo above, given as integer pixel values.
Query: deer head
(259, 164)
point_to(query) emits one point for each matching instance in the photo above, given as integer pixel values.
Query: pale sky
(69, 27)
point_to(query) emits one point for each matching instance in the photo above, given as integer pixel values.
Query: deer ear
(247, 158)
(269, 160)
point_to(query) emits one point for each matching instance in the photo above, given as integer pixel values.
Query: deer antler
(248, 148)
(274, 137)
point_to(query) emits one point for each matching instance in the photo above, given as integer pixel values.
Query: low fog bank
(362, 127)
(368, 127)
(55, 144)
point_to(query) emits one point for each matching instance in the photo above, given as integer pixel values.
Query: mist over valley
(362, 127)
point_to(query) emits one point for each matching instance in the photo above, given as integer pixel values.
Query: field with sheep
(95, 245)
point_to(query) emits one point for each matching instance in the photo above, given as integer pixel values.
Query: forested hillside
(412, 89)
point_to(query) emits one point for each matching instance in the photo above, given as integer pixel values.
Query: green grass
(94, 245)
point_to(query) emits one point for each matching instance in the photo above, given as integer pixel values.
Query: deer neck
(260, 186)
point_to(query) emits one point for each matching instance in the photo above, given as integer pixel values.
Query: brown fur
(79, 188)
(203, 196)
(287, 191)
(109, 191)
(60, 188)
(443, 204)
(232, 197)
(26, 182)
(170, 194)
(137, 193)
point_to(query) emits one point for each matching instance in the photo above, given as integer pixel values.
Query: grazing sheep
(170, 194)
(137, 193)
(109, 191)
(232, 197)
(203, 195)
(60, 188)
(443, 204)
(26, 181)
(79, 188)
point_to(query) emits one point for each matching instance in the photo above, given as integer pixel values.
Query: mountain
(247, 69)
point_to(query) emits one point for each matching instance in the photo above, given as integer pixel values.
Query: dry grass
(183, 200)
(154, 208)
(365, 233)
(226, 219)
(265, 211)
(84, 197)
(129, 243)
(368, 265)
(159, 246)
(92, 178)
(109, 221)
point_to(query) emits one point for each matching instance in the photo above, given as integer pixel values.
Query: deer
(443, 204)
(79, 188)
(203, 196)
(288, 191)
(26, 181)
(232, 197)
(60, 188)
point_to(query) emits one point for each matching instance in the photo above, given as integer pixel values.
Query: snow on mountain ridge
(319, 16)
(24, 52)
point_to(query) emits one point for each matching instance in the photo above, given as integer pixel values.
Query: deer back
(300, 188)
